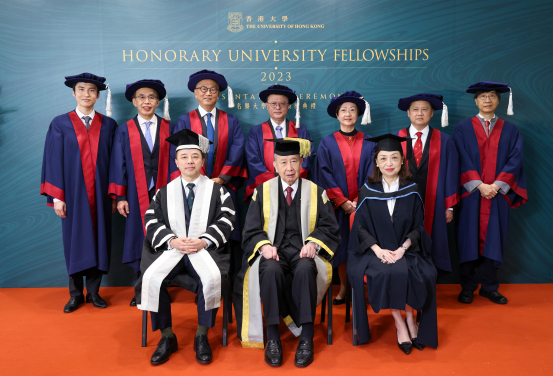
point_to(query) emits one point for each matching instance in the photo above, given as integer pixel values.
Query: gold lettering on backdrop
(174, 55)
(145, 53)
(244, 53)
(282, 55)
(124, 55)
(399, 54)
(154, 54)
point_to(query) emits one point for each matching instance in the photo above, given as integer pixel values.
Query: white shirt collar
(394, 187)
(413, 131)
(141, 120)
(195, 182)
(204, 112)
(484, 119)
(80, 114)
(283, 124)
(294, 186)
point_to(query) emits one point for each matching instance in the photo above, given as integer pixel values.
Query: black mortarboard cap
(186, 139)
(291, 146)
(389, 142)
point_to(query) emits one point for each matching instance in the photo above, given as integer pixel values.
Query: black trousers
(93, 280)
(272, 278)
(162, 318)
(481, 271)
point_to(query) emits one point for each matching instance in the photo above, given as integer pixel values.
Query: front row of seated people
(289, 238)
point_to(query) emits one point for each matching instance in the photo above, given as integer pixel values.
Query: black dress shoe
(96, 300)
(73, 303)
(339, 301)
(304, 353)
(414, 342)
(406, 347)
(165, 347)
(273, 353)
(465, 296)
(203, 351)
(494, 296)
(133, 302)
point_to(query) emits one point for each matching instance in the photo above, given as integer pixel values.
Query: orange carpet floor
(483, 338)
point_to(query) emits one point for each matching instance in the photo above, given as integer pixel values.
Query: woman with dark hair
(344, 162)
(389, 246)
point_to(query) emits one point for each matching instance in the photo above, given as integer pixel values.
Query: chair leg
(225, 313)
(323, 307)
(329, 335)
(354, 326)
(348, 300)
(144, 328)
(230, 302)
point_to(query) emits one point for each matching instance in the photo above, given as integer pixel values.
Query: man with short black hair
(434, 164)
(225, 158)
(259, 151)
(140, 164)
(75, 180)
(188, 223)
(492, 181)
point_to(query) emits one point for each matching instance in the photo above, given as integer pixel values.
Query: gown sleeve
(253, 236)
(327, 232)
(118, 168)
(219, 231)
(157, 231)
(52, 184)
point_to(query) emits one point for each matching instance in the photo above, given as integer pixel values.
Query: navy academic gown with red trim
(260, 154)
(75, 170)
(127, 178)
(438, 179)
(483, 223)
(342, 171)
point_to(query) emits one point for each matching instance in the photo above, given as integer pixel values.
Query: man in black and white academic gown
(289, 237)
(188, 224)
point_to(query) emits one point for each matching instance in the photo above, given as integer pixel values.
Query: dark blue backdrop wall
(383, 49)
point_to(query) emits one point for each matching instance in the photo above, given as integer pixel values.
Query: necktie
(148, 137)
(488, 128)
(210, 135)
(190, 196)
(289, 191)
(279, 131)
(87, 121)
(417, 150)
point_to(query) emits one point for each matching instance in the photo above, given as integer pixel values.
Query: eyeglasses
(491, 97)
(204, 89)
(278, 104)
(142, 98)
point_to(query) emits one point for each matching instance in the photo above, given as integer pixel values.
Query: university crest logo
(235, 22)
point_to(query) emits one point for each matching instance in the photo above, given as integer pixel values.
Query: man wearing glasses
(225, 159)
(140, 164)
(260, 153)
(492, 181)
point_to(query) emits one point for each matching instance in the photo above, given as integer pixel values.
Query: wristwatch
(404, 247)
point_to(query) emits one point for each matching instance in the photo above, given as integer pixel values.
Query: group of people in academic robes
(376, 209)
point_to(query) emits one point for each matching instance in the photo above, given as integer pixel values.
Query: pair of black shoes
(466, 296)
(303, 358)
(169, 345)
(75, 301)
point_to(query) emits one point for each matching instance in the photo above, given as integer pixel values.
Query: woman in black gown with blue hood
(388, 245)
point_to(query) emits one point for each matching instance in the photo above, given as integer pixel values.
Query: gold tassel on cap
(305, 145)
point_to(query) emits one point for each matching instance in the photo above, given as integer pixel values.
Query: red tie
(289, 195)
(488, 128)
(417, 150)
